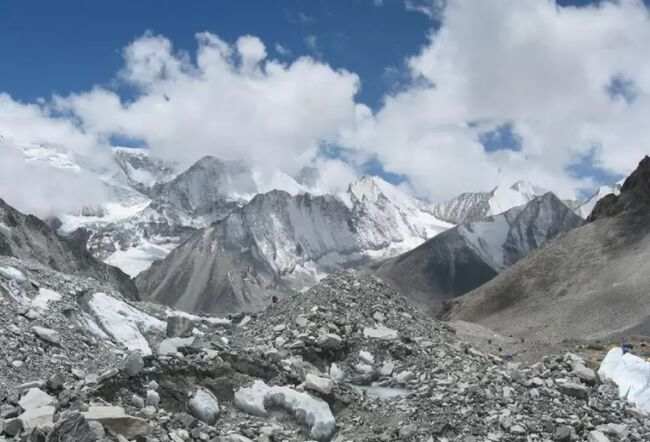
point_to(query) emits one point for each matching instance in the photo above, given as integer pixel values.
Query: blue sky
(60, 48)
(72, 45)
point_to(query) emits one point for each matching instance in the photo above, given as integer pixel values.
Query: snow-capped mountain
(585, 209)
(141, 170)
(279, 240)
(471, 254)
(591, 284)
(474, 206)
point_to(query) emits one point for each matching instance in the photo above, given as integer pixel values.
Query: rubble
(349, 360)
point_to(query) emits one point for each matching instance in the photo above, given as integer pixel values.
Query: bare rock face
(634, 195)
(467, 256)
(280, 242)
(27, 237)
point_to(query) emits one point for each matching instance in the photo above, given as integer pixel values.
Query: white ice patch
(631, 374)
(313, 412)
(44, 297)
(138, 259)
(214, 320)
(12, 273)
(124, 322)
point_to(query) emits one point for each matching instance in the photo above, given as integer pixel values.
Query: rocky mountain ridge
(280, 241)
(470, 254)
(27, 237)
(591, 283)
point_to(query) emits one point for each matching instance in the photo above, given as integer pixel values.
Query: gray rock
(564, 433)
(117, 421)
(134, 364)
(72, 427)
(319, 384)
(597, 436)
(572, 389)
(179, 326)
(153, 398)
(35, 398)
(170, 346)
(47, 335)
(13, 427)
(204, 406)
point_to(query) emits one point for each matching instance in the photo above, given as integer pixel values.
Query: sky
(438, 96)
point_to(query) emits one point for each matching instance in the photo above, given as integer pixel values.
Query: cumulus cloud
(233, 102)
(570, 83)
(545, 70)
(38, 160)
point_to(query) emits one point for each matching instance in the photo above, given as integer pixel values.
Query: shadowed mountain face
(592, 283)
(465, 257)
(27, 237)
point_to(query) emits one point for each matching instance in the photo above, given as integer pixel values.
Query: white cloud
(542, 67)
(234, 103)
(44, 184)
(282, 50)
(430, 8)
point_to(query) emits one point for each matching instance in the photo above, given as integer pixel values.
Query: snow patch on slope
(487, 239)
(631, 374)
(123, 323)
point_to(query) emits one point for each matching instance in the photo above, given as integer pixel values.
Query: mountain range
(472, 253)
(333, 304)
(591, 283)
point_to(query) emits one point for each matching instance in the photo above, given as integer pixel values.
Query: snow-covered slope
(474, 206)
(279, 240)
(471, 254)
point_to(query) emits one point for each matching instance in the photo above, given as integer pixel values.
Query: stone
(170, 346)
(72, 427)
(597, 436)
(134, 364)
(38, 418)
(387, 368)
(319, 384)
(35, 398)
(204, 406)
(47, 334)
(366, 357)
(153, 398)
(404, 376)
(55, 382)
(564, 433)
(179, 327)
(12, 427)
(117, 421)
(407, 431)
(572, 389)
(584, 373)
(330, 341)
(380, 332)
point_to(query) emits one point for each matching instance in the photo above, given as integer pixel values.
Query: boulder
(116, 420)
(47, 334)
(204, 406)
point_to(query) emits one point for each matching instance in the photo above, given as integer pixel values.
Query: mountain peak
(371, 188)
(634, 195)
